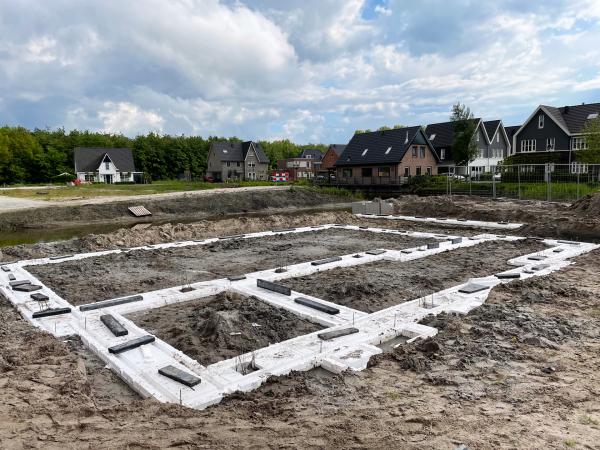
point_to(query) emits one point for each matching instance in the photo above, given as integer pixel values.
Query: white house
(105, 165)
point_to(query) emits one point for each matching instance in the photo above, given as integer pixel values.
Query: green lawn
(63, 192)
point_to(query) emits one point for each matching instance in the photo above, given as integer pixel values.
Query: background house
(553, 134)
(105, 165)
(305, 166)
(490, 137)
(386, 157)
(237, 161)
(330, 158)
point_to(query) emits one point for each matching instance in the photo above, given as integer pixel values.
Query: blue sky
(305, 70)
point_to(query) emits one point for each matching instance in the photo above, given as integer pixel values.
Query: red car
(208, 179)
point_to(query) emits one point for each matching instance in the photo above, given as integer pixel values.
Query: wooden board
(139, 211)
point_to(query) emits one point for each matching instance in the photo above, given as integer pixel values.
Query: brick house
(386, 157)
(330, 158)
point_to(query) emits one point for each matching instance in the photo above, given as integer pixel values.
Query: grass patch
(62, 192)
(587, 420)
(570, 443)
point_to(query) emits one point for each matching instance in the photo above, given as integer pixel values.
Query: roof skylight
(389, 149)
(365, 151)
(432, 137)
(593, 116)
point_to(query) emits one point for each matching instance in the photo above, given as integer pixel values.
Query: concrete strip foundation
(143, 366)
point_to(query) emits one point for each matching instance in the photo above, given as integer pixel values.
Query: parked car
(208, 179)
(454, 176)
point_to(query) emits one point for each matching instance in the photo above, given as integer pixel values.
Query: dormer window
(107, 165)
(541, 121)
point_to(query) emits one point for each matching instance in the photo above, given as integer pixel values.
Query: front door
(108, 179)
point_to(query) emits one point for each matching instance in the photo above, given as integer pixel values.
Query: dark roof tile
(88, 159)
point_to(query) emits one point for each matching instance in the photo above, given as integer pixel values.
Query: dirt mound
(588, 205)
(222, 327)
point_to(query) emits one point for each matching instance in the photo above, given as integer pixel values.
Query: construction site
(435, 322)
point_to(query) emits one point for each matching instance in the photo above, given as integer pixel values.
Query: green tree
(591, 132)
(464, 148)
(383, 128)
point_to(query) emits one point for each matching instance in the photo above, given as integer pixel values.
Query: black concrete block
(457, 240)
(179, 375)
(11, 277)
(540, 267)
(328, 335)
(406, 251)
(357, 256)
(39, 297)
(569, 242)
(462, 220)
(537, 257)
(471, 288)
(27, 288)
(378, 251)
(283, 230)
(326, 261)
(130, 345)
(50, 312)
(114, 325)
(61, 257)
(5, 269)
(111, 302)
(441, 218)
(273, 287)
(237, 278)
(316, 305)
(507, 276)
(18, 283)
(433, 245)
(558, 250)
(187, 289)
(363, 228)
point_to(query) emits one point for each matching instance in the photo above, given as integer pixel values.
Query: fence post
(519, 181)
(494, 185)
(548, 184)
(577, 185)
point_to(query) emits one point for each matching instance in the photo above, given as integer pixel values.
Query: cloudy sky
(305, 70)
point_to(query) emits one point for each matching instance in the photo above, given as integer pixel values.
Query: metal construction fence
(548, 182)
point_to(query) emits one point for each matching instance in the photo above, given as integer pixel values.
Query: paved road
(16, 204)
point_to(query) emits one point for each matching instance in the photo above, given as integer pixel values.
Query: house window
(578, 167)
(477, 136)
(238, 164)
(407, 171)
(578, 143)
(367, 172)
(541, 121)
(347, 173)
(414, 152)
(498, 137)
(384, 171)
(418, 171)
(228, 164)
(528, 145)
(107, 165)
(443, 153)
(430, 171)
(421, 152)
(550, 144)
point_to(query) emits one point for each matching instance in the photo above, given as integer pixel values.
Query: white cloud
(129, 119)
(383, 10)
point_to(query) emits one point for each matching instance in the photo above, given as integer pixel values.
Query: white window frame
(550, 144)
(442, 154)
(578, 143)
(541, 119)
(498, 137)
(422, 152)
(528, 145)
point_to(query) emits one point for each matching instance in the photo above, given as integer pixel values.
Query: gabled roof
(313, 153)
(490, 128)
(337, 148)
(441, 135)
(571, 119)
(510, 131)
(379, 147)
(237, 151)
(88, 159)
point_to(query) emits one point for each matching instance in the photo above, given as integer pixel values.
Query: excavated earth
(376, 286)
(222, 327)
(520, 372)
(94, 279)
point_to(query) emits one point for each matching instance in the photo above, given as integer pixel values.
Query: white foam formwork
(139, 367)
(447, 221)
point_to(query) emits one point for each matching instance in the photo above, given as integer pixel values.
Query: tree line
(42, 156)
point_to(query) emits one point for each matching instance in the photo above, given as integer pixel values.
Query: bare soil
(519, 372)
(94, 279)
(376, 286)
(222, 327)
